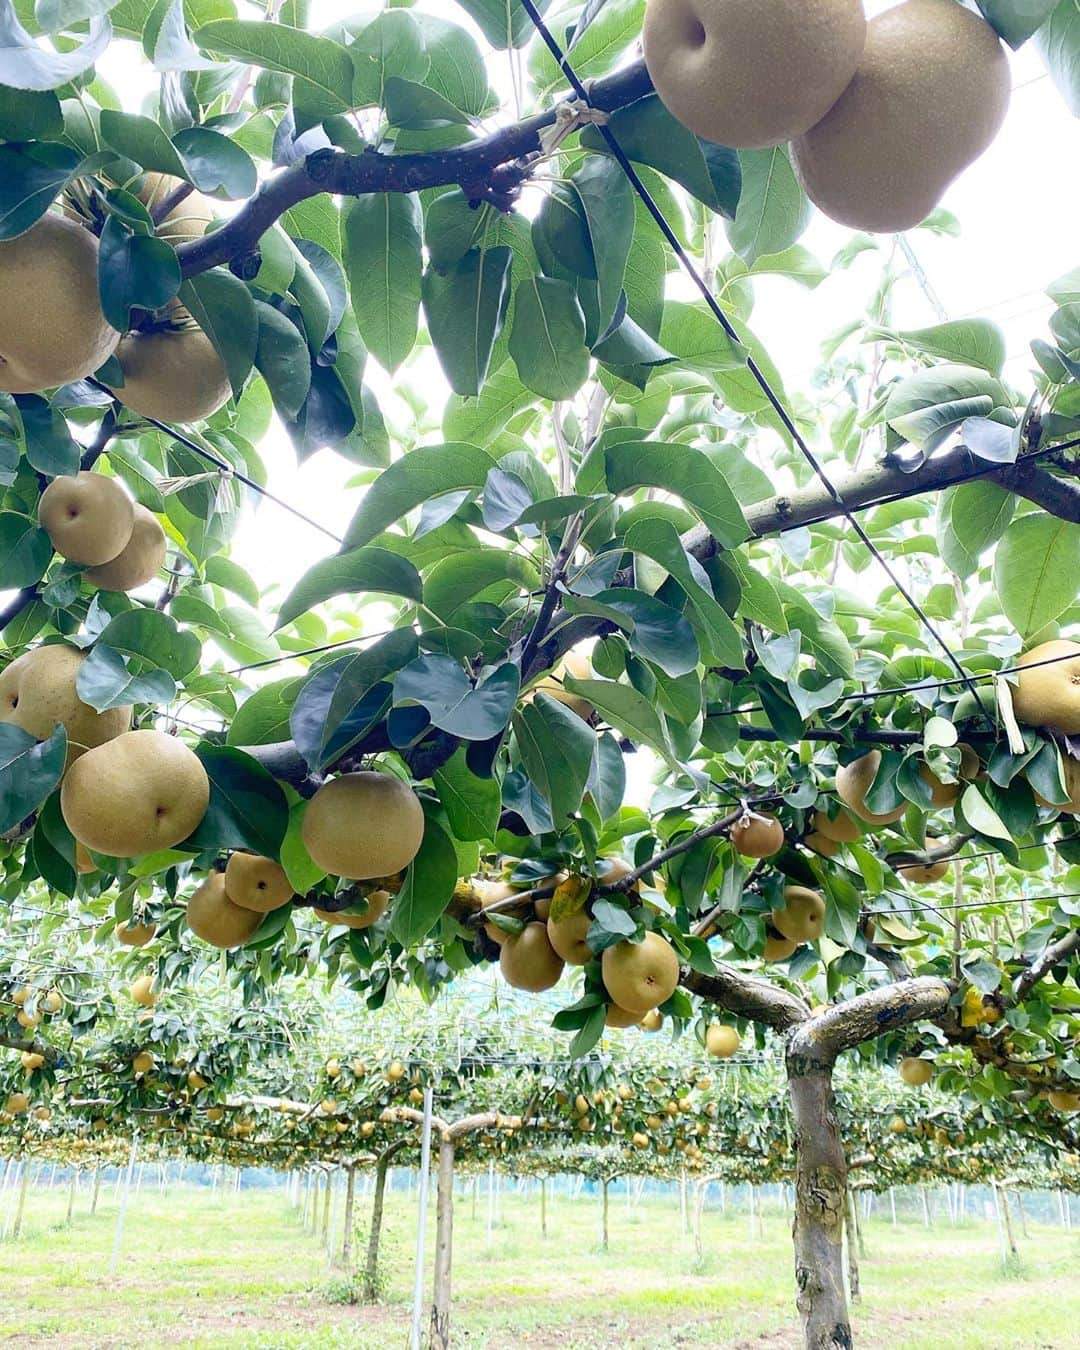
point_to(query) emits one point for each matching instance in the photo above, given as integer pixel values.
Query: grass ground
(238, 1270)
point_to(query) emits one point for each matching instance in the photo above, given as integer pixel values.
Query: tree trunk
(1006, 1214)
(97, 1188)
(820, 1192)
(543, 1206)
(71, 1194)
(371, 1266)
(853, 1249)
(350, 1201)
(444, 1238)
(326, 1207)
(856, 1224)
(1020, 1210)
(699, 1205)
(19, 1212)
(604, 1215)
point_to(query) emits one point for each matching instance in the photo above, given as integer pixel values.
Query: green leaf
(25, 65)
(29, 770)
(391, 46)
(263, 719)
(31, 178)
(1016, 20)
(980, 815)
(381, 253)
(283, 360)
(141, 139)
(360, 570)
(773, 209)
(556, 748)
(472, 804)
(969, 342)
(224, 309)
(927, 407)
(465, 305)
(1036, 569)
(972, 517)
(24, 550)
(26, 116)
(135, 271)
(687, 473)
(429, 884)
(649, 134)
(423, 473)
(457, 70)
(106, 681)
(720, 637)
(547, 339)
(440, 686)
(216, 164)
(247, 806)
(505, 23)
(607, 200)
(479, 420)
(462, 577)
(324, 65)
(50, 448)
(626, 710)
(657, 631)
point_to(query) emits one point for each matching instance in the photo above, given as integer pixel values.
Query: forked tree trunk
(820, 1199)
(444, 1236)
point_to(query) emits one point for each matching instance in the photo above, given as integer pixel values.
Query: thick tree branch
(821, 1039)
(749, 996)
(48, 1052)
(489, 168)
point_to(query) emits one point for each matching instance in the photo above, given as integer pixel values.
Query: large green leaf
(29, 770)
(366, 570)
(1017, 20)
(26, 65)
(648, 133)
(607, 201)
(323, 65)
(927, 407)
(505, 23)
(773, 208)
(556, 747)
(968, 342)
(471, 804)
(263, 719)
(465, 305)
(381, 252)
(1037, 571)
(426, 472)
(429, 884)
(1058, 42)
(971, 517)
(31, 178)
(247, 806)
(24, 550)
(224, 309)
(547, 339)
(687, 473)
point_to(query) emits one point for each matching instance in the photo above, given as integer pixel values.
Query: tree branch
(489, 168)
(48, 1053)
(748, 996)
(1053, 955)
(821, 1039)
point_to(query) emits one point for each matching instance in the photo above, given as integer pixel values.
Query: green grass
(206, 1271)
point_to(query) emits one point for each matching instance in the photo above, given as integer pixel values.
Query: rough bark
(371, 1265)
(748, 996)
(350, 1203)
(444, 1235)
(851, 1224)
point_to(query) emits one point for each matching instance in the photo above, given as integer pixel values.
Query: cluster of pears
(637, 976)
(54, 330)
(91, 521)
(882, 115)
(365, 827)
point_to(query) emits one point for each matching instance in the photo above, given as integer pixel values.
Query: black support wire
(761, 379)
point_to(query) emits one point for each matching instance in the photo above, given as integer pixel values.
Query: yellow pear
(922, 874)
(640, 976)
(749, 74)
(143, 1062)
(841, 827)
(172, 373)
(757, 836)
(653, 1020)
(188, 219)
(255, 883)
(528, 960)
(916, 1072)
(142, 991)
(568, 935)
(363, 825)
(618, 1018)
(377, 904)
(853, 782)
(31, 1060)
(38, 690)
(929, 95)
(212, 916)
(27, 1019)
(52, 1002)
(1064, 1101)
(52, 329)
(17, 1104)
(821, 844)
(139, 793)
(802, 917)
(577, 665)
(84, 864)
(778, 948)
(139, 561)
(721, 1040)
(89, 518)
(132, 934)
(1048, 695)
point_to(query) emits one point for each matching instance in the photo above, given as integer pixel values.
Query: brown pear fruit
(89, 518)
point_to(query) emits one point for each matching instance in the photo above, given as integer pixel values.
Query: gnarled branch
(748, 996)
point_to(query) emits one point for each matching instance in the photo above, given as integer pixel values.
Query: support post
(326, 1206)
(350, 1201)
(853, 1245)
(439, 1338)
(21, 1207)
(543, 1207)
(490, 1200)
(97, 1188)
(119, 1233)
(72, 1187)
(421, 1225)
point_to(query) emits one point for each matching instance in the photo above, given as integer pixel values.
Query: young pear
(89, 518)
